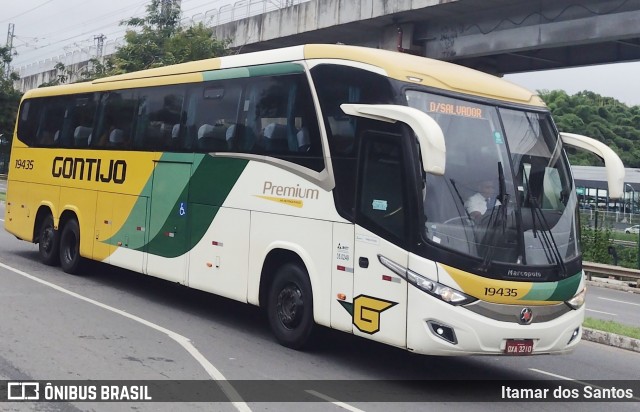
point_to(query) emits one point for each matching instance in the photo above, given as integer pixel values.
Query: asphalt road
(609, 304)
(115, 324)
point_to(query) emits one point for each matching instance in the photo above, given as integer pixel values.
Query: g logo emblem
(366, 314)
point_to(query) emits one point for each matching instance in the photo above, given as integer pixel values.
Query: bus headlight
(577, 301)
(440, 291)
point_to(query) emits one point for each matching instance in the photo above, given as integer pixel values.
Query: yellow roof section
(434, 73)
(400, 66)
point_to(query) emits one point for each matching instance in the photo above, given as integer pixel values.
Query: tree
(603, 118)
(160, 40)
(155, 40)
(9, 96)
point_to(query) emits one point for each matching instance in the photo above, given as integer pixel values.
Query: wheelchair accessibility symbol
(183, 209)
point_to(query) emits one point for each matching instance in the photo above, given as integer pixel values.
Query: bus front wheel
(290, 306)
(70, 247)
(49, 242)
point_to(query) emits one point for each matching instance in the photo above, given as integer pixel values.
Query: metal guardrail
(618, 272)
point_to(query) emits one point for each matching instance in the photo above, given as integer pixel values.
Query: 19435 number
(24, 164)
(507, 292)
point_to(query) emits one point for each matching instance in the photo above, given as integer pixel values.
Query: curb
(611, 339)
(623, 288)
(606, 338)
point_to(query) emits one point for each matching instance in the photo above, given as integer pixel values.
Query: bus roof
(400, 66)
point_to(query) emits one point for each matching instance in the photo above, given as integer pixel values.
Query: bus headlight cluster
(442, 292)
(577, 300)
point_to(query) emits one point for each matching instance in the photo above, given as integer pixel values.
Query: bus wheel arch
(286, 294)
(69, 229)
(47, 237)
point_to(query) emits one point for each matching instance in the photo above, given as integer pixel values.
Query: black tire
(48, 242)
(290, 306)
(70, 247)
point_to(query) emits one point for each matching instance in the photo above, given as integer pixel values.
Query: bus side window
(79, 121)
(158, 118)
(382, 194)
(212, 116)
(27, 122)
(51, 122)
(116, 120)
(280, 112)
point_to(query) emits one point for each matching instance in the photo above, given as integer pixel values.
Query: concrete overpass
(499, 36)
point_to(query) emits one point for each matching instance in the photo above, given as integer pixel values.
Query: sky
(49, 28)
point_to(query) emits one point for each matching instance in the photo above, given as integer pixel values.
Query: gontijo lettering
(89, 169)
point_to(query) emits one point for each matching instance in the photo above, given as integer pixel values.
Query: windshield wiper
(548, 239)
(550, 247)
(497, 217)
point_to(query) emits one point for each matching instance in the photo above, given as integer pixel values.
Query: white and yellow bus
(331, 185)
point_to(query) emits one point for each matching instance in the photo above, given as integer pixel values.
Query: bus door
(380, 294)
(167, 248)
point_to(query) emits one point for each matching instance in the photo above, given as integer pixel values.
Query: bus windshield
(506, 195)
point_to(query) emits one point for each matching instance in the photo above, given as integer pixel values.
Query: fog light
(443, 332)
(574, 335)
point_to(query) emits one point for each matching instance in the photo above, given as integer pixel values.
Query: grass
(612, 327)
(3, 196)
(630, 237)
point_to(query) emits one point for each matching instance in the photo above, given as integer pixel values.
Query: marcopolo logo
(288, 195)
(89, 169)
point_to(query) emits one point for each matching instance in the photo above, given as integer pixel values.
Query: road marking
(620, 301)
(334, 401)
(571, 379)
(599, 311)
(183, 341)
(552, 374)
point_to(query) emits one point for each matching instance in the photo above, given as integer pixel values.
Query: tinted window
(382, 196)
(212, 115)
(46, 121)
(339, 84)
(279, 120)
(336, 85)
(79, 120)
(116, 120)
(27, 122)
(158, 123)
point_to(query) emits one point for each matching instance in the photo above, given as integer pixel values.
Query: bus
(330, 185)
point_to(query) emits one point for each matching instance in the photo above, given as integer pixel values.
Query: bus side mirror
(428, 132)
(614, 166)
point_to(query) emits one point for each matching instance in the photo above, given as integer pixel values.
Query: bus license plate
(519, 347)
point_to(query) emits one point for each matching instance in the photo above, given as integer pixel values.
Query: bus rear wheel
(70, 247)
(290, 306)
(49, 242)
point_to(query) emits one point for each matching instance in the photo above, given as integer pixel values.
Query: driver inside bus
(484, 200)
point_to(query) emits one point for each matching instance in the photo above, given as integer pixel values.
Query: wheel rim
(290, 306)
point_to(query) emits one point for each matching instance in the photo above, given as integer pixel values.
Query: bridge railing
(236, 11)
(617, 272)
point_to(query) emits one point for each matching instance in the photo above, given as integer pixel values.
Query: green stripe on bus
(209, 186)
(262, 70)
(567, 288)
(555, 291)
